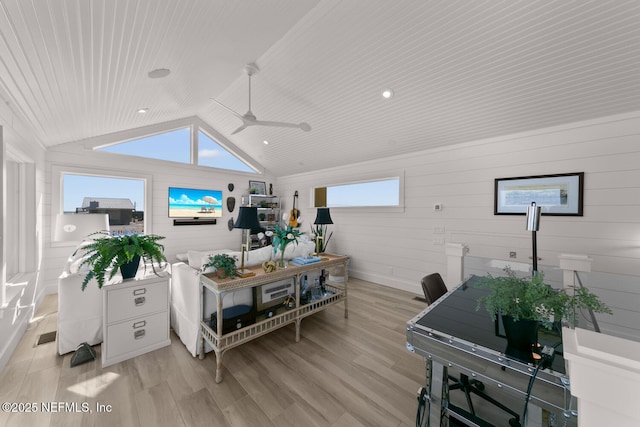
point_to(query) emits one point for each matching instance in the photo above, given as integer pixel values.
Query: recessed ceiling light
(265, 142)
(387, 93)
(159, 73)
(143, 110)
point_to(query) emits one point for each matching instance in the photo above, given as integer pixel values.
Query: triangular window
(173, 146)
(211, 154)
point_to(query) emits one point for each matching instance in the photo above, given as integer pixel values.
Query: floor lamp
(323, 217)
(247, 220)
(533, 225)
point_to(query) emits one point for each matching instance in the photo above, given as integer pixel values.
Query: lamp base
(244, 273)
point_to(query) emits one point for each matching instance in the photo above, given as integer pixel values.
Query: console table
(222, 342)
(451, 333)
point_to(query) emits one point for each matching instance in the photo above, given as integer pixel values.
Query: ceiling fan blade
(304, 126)
(249, 119)
(240, 116)
(240, 129)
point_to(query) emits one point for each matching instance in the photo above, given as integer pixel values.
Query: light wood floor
(343, 372)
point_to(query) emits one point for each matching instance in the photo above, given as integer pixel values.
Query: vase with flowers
(282, 236)
(526, 303)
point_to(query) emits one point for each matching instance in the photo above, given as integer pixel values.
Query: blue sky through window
(371, 193)
(174, 146)
(77, 187)
(211, 154)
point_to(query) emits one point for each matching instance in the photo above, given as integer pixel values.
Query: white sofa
(185, 290)
(79, 312)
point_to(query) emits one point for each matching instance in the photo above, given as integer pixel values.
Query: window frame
(399, 175)
(195, 125)
(24, 182)
(188, 128)
(57, 193)
(195, 151)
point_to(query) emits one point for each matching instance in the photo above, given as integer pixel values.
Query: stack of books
(304, 260)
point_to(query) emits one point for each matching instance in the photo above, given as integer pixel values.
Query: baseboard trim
(21, 324)
(11, 344)
(391, 282)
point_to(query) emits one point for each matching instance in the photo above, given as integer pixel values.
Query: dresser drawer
(136, 301)
(133, 335)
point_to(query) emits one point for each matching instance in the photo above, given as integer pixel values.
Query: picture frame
(259, 186)
(558, 194)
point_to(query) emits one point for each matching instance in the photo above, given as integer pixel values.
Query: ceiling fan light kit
(249, 119)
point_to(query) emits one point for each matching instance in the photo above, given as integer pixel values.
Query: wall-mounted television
(194, 203)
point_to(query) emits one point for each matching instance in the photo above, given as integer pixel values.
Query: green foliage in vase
(531, 298)
(225, 264)
(321, 231)
(282, 236)
(110, 252)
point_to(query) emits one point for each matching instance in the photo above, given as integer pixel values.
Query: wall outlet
(437, 207)
(513, 254)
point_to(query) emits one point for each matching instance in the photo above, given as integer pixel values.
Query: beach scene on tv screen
(194, 203)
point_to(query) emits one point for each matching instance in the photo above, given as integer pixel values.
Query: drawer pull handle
(141, 324)
(140, 291)
(139, 301)
(138, 334)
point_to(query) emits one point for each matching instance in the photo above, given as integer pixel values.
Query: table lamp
(323, 217)
(247, 220)
(533, 225)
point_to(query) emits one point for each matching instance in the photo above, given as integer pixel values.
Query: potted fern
(530, 298)
(526, 303)
(111, 253)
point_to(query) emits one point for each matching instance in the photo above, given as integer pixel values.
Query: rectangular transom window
(381, 192)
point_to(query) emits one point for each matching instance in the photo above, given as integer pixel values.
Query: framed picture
(257, 187)
(559, 194)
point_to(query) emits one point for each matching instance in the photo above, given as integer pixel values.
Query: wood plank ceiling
(460, 70)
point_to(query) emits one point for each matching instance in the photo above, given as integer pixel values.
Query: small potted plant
(224, 264)
(526, 303)
(120, 252)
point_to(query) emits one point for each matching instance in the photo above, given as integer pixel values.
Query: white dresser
(135, 318)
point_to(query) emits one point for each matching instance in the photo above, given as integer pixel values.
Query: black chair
(434, 287)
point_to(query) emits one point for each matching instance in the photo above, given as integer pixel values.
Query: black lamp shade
(323, 216)
(247, 218)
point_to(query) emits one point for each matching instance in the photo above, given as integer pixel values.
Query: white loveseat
(185, 289)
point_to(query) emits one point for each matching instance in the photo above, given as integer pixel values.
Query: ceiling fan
(249, 119)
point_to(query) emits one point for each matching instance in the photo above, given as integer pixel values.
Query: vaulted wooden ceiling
(460, 70)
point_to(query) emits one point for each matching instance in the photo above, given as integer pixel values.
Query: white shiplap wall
(398, 248)
(163, 175)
